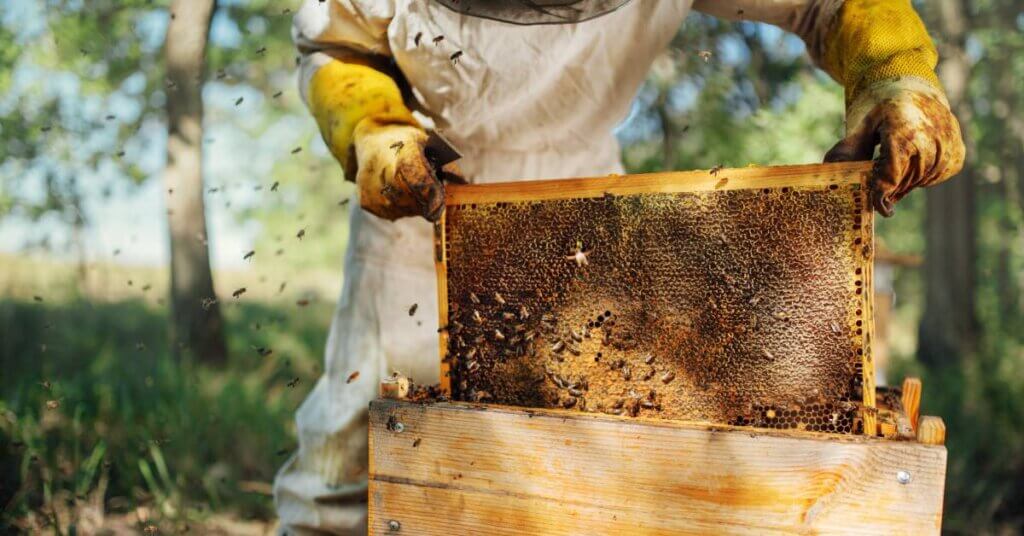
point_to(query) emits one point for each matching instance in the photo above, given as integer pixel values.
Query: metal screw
(394, 525)
(903, 477)
(398, 428)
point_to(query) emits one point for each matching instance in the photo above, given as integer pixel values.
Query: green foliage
(92, 401)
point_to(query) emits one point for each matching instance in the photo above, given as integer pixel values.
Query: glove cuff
(882, 90)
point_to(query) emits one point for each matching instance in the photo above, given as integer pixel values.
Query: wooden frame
(458, 468)
(817, 175)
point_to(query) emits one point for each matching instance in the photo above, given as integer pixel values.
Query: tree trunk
(949, 326)
(196, 323)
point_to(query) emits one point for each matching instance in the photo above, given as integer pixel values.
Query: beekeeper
(524, 90)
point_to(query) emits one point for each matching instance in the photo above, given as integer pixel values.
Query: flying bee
(352, 377)
(276, 95)
(293, 382)
(438, 39)
(300, 234)
(302, 303)
(704, 55)
(238, 292)
(416, 40)
(249, 255)
(714, 171)
(239, 100)
(412, 308)
(297, 150)
(273, 187)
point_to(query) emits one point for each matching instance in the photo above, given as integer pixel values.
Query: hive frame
(814, 175)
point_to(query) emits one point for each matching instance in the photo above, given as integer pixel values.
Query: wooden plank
(931, 431)
(457, 468)
(911, 399)
(665, 182)
(441, 268)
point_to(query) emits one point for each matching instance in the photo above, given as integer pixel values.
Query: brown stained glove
(919, 138)
(394, 172)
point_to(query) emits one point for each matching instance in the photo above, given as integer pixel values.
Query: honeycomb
(742, 306)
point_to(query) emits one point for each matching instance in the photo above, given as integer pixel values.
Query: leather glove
(919, 139)
(394, 172)
(881, 52)
(380, 145)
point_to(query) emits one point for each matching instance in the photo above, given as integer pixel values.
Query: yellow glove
(370, 131)
(881, 53)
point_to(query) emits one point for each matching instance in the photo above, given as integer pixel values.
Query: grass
(96, 419)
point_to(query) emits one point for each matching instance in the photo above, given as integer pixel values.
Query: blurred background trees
(100, 421)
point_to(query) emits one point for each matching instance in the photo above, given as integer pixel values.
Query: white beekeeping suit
(520, 102)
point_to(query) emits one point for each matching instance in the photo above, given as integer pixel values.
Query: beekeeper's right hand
(378, 142)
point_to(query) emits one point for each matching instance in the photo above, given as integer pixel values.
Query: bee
(302, 303)
(37, 298)
(648, 359)
(524, 313)
(352, 377)
(438, 39)
(835, 328)
(780, 315)
(276, 95)
(498, 335)
(767, 353)
(575, 336)
(238, 292)
(455, 57)
(472, 366)
(416, 442)
(573, 349)
(239, 100)
(569, 402)
(575, 392)
(714, 171)
(249, 255)
(261, 51)
(627, 374)
(273, 187)
(297, 150)
(580, 256)
(704, 55)
(281, 288)
(300, 234)
(206, 303)
(412, 309)
(649, 374)
(477, 318)
(416, 40)
(667, 377)
(508, 316)
(293, 382)
(647, 404)
(397, 146)
(558, 346)
(499, 298)
(52, 404)
(473, 298)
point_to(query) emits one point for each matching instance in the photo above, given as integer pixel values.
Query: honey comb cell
(737, 297)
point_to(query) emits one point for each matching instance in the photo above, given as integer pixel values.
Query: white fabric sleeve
(321, 28)
(812, 20)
